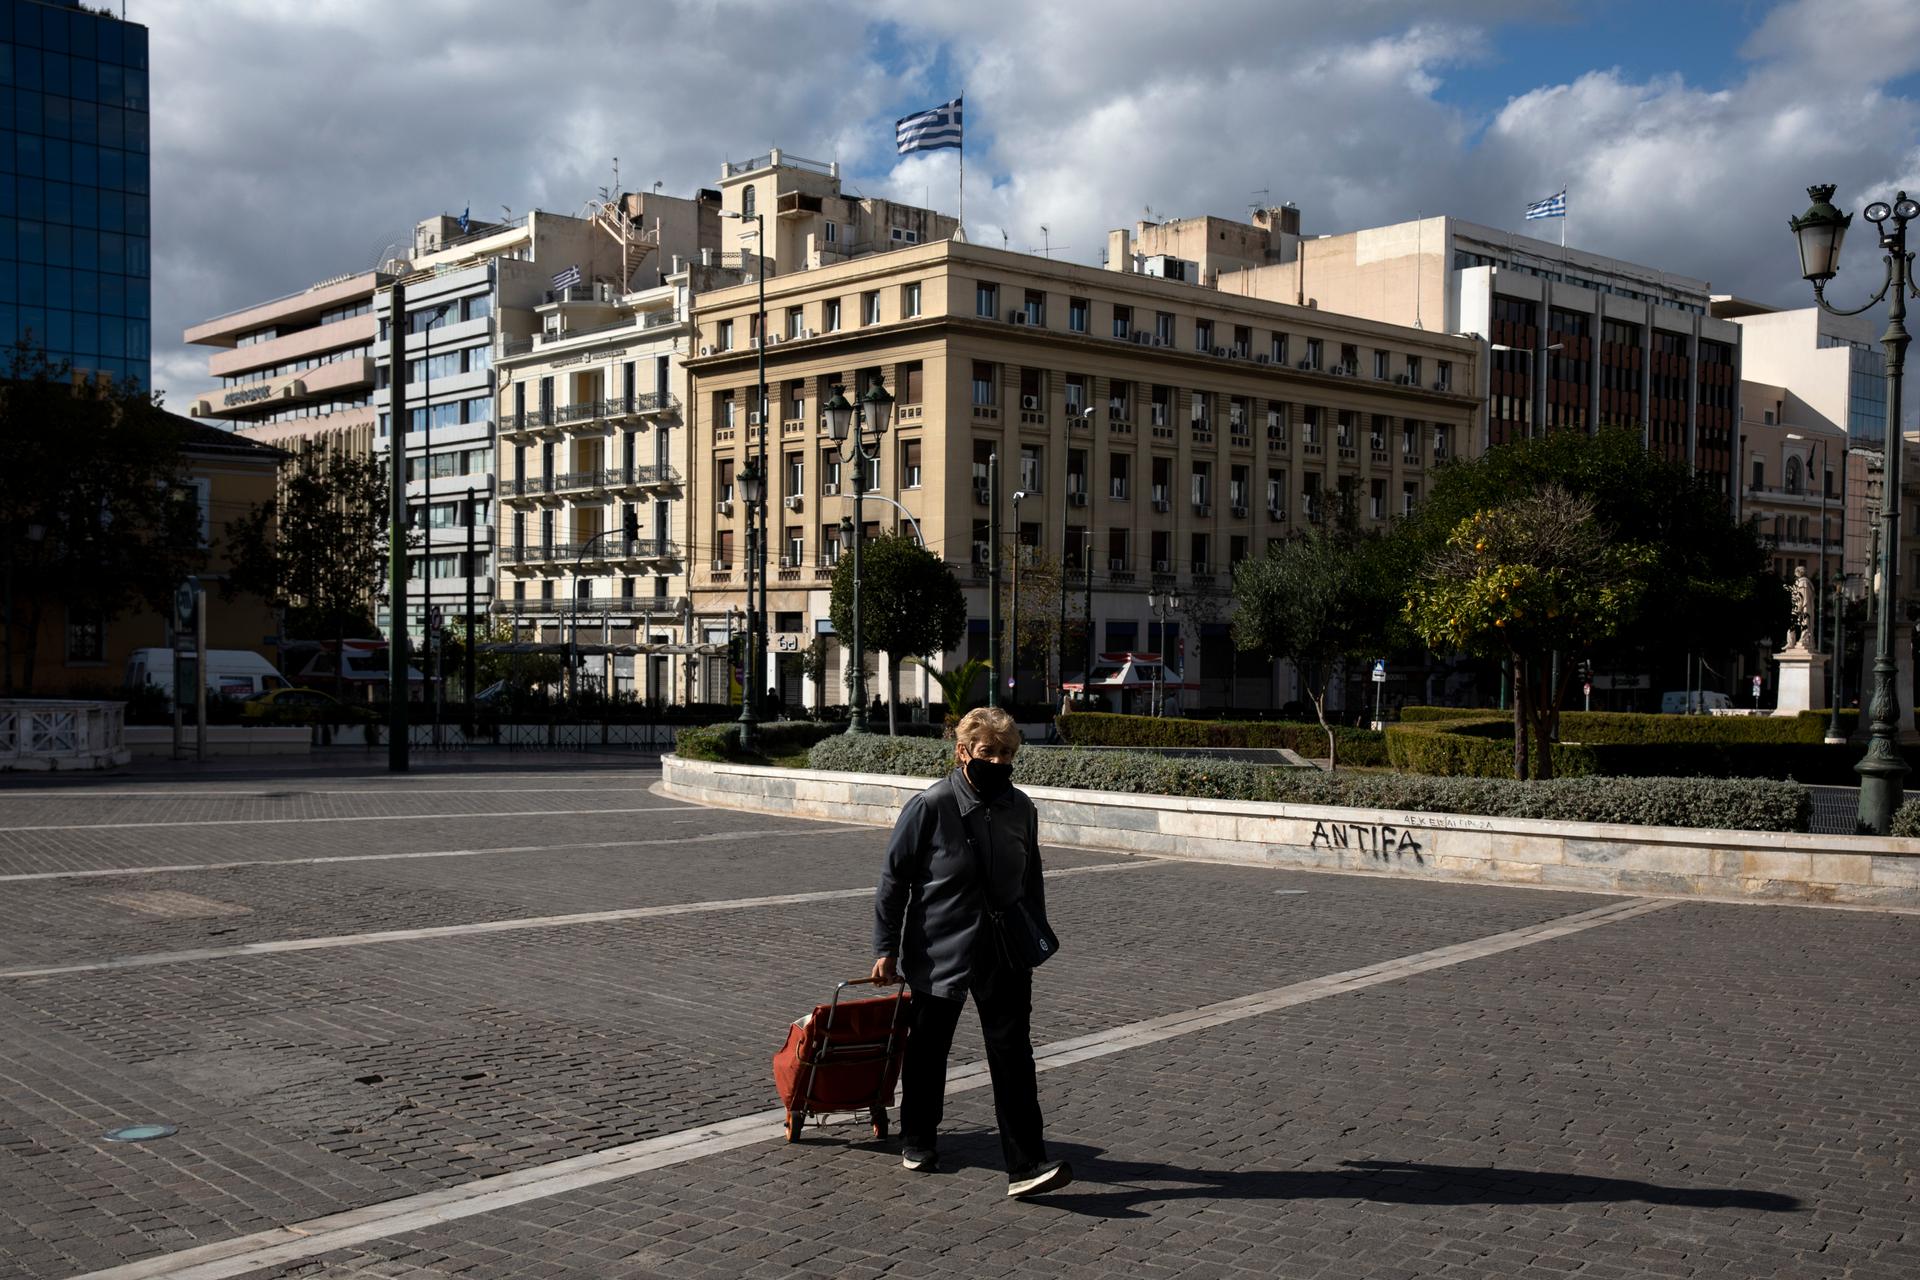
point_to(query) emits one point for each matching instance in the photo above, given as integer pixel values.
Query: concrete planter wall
(156, 740)
(44, 734)
(1863, 870)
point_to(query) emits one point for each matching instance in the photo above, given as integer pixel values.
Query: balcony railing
(601, 549)
(634, 606)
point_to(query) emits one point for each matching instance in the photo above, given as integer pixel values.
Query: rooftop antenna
(657, 184)
(616, 176)
(1003, 237)
(1262, 198)
(1046, 243)
(506, 214)
(1151, 215)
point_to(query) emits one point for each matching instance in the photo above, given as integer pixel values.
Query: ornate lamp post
(753, 490)
(850, 426)
(1820, 231)
(1162, 605)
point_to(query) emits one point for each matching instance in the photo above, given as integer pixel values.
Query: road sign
(185, 597)
(1587, 688)
(1380, 671)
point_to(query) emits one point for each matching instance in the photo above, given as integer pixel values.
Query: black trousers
(1004, 996)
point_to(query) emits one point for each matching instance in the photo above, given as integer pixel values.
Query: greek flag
(567, 279)
(1554, 206)
(929, 130)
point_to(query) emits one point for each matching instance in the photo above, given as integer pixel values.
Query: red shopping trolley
(844, 1056)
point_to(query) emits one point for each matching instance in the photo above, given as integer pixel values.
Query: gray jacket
(929, 905)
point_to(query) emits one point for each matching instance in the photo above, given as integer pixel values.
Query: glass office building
(74, 226)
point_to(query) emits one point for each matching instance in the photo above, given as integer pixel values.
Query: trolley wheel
(796, 1121)
(880, 1123)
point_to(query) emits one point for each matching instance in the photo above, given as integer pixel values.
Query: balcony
(613, 606)
(597, 551)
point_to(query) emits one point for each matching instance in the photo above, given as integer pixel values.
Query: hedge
(1906, 820)
(1104, 729)
(721, 742)
(1616, 744)
(1728, 804)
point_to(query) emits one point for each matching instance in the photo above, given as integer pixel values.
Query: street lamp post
(1539, 396)
(753, 489)
(1820, 231)
(757, 610)
(1834, 733)
(1013, 682)
(1162, 604)
(849, 426)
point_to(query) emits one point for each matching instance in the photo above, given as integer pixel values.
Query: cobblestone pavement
(1701, 1090)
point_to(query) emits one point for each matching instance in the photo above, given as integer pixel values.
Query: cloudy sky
(295, 139)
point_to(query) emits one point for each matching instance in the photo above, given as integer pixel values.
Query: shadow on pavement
(1109, 1188)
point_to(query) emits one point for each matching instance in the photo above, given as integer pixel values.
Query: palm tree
(958, 685)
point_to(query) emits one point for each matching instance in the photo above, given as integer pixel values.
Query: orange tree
(1525, 579)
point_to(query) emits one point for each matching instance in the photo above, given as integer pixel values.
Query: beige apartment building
(1158, 431)
(1793, 489)
(296, 372)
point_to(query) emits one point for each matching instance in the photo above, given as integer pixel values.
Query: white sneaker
(1050, 1176)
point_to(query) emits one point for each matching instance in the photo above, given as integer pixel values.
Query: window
(1202, 486)
(982, 541)
(1163, 328)
(904, 235)
(1443, 375)
(723, 480)
(1077, 311)
(1199, 562)
(1343, 429)
(870, 307)
(86, 637)
(1279, 351)
(1075, 391)
(1276, 492)
(1380, 361)
(909, 464)
(1077, 471)
(986, 299)
(723, 550)
(911, 383)
(796, 321)
(830, 544)
(833, 233)
(983, 389)
(796, 474)
(910, 300)
(726, 409)
(1242, 340)
(1120, 401)
(830, 315)
(1377, 433)
(796, 554)
(1162, 480)
(1203, 335)
(1313, 353)
(1032, 467)
(1349, 358)
(478, 307)
(747, 200)
(796, 397)
(1310, 424)
(1409, 496)
(1162, 405)
(1377, 499)
(1122, 321)
(1036, 307)
(1238, 484)
(1410, 440)
(1413, 370)
(1119, 466)
(723, 336)
(1118, 558)
(1440, 435)
(829, 470)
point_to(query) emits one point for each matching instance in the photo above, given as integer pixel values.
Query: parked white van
(1699, 702)
(230, 673)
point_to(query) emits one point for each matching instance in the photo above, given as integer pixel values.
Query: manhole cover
(141, 1132)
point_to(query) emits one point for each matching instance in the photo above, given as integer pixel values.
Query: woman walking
(962, 871)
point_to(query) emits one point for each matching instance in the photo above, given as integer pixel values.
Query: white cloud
(293, 140)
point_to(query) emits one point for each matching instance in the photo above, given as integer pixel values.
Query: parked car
(230, 673)
(299, 706)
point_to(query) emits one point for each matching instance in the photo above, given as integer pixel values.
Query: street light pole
(1834, 733)
(753, 489)
(1820, 231)
(849, 427)
(1013, 683)
(757, 548)
(397, 745)
(1539, 396)
(1162, 606)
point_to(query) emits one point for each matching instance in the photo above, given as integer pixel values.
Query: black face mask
(989, 779)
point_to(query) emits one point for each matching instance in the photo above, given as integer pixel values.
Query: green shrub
(1732, 804)
(1414, 714)
(721, 742)
(1906, 820)
(1103, 729)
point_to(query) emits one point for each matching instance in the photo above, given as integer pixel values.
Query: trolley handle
(874, 982)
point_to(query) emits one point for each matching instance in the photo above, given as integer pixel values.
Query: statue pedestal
(1803, 683)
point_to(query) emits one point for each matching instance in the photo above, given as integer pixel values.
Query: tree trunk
(30, 650)
(1319, 701)
(1542, 706)
(893, 696)
(1518, 683)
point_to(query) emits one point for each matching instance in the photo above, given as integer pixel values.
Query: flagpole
(963, 160)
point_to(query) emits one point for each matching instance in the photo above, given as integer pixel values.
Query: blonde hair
(988, 725)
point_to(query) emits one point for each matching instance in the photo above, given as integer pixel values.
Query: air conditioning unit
(1161, 504)
(980, 493)
(1240, 512)
(1117, 565)
(1203, 509)
(724, 506)
(1161, 342)
(719, 564)
(1030, 403)
(1441, 386)
(793, 502)
(1263, 359)
(1220, 352)
(1238, 422)
(1304, 364)
(1163, 566)
(1278, 513)
(829, 490)
(786, 562)
(1078, 497)
(1141, 336)
(1406, 380)
(753, 419)
(1016, 317)
(705, 349)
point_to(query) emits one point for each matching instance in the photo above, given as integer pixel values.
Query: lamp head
(1820, 231)
(753, 485)
(879, 405)
(838, 411)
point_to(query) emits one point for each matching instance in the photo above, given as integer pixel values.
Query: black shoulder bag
(1025, 939)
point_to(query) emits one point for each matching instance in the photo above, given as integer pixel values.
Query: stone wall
(1863, 870)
